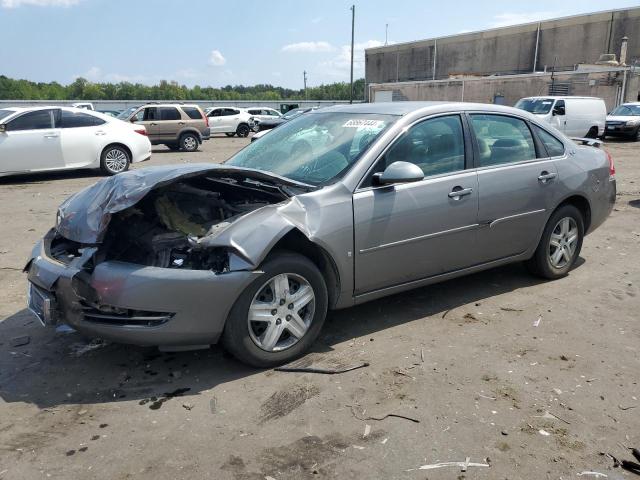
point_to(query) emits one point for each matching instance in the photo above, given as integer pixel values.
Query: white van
(574, 116)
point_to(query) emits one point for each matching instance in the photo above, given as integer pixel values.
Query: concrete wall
(603, 84)
(509, 50)
(124, 104)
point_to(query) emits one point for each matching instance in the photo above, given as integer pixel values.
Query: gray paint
(382, 240)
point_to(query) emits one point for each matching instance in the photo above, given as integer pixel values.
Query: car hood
(84, 216)
(621, 118)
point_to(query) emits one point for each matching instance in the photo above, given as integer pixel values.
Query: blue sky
(208, 42)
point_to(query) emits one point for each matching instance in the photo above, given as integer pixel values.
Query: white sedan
(58, 138)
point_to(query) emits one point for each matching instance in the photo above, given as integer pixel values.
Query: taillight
(612, 167)
(141, 131)
(206, 119)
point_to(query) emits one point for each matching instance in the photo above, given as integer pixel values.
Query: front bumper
(154, 306)
(618, 130)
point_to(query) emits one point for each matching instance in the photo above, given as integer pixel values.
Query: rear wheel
(189, 142)
(592, 133)
(560, 244)
(243, 130)
(278, 317)
(115, 159)
(230, 134)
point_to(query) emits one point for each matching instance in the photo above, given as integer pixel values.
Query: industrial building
(595, 54)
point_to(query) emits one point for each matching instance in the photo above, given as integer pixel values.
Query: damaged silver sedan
(335, 208)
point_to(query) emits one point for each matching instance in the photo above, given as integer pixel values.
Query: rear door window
(192, 112)
(38, 120)
(502, 139)
(169, 113)
(78, 119)
(216, 112)
(554, 147)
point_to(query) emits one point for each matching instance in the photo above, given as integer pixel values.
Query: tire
(542, 263)
(248, 340)
(592, 133)
(189, 142)
(230, 134)
(114, 159)
(243, 130)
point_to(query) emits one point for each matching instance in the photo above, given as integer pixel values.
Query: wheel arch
(190, 130)
(116, 144)
(296, 241)
(582, 204)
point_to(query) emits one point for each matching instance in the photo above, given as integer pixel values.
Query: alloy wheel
(281, 312)
(190, 143)
(116, 160)
(563, 242)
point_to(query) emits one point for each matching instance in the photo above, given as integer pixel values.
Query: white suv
(263, 113)
(229, 120)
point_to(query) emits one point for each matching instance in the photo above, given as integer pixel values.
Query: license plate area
(42, 304)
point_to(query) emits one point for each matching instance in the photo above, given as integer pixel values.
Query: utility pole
(553, 80)
(386, 34)
(304, 76)
(353, 22)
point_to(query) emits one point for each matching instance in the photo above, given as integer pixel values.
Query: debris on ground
(381, 417)
(187, 406)
(592, 474)
(213, 405)
(511, 309)
(64, 329)
(20, 341)
(367, 431)
(156, 402)
(537, 322)
(544, 433)
(79, 349)
(462, 465)
(627, 408)
(321, 370)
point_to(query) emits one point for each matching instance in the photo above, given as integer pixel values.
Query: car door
(517, 183)
(148, 116)
(170, 122)
(411, 231)
(31, 142)
(230, 120)
(215, 120)
(559, 116)
(82, 137)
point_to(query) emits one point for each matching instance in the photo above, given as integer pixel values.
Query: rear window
(169, 113)
(78, 119)
(192, 112)
(5, 113)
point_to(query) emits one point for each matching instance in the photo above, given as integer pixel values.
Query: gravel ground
(464, 361)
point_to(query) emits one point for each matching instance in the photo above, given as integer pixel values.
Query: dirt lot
(464, 359)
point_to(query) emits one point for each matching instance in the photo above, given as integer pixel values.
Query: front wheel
(243, 130)
(278, 317)
(114, 159)
(560, 244)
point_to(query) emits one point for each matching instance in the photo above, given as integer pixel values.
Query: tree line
(83, 89)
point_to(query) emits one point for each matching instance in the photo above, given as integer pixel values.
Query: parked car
(84, 105)
(573, 116)
(111, 113)
(335, 208)
(624, 121)
(258, 124)
(176, 126)
(263, 113)
(63, 138)
(229, 120)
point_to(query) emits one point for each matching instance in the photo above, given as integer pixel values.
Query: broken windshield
(316, 148)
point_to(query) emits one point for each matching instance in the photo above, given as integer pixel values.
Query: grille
(125, 317)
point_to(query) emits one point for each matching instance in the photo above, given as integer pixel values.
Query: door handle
(459, 192)
(180, 123)
(153, 124)
(545, 176)
(100, 132)
(51, 135)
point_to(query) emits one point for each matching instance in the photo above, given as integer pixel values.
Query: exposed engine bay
(164, 228)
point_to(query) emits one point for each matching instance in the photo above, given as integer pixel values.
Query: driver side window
(435, 145)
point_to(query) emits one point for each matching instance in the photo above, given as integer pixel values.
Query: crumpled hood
(84, 217)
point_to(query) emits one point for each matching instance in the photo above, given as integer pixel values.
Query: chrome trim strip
(415, 239)
(511, 217)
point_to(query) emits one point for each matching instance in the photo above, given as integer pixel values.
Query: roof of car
(403, 108)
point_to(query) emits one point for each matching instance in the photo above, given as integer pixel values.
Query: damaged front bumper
(135, 304)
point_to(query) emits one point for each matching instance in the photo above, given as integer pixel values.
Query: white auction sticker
(361, 122)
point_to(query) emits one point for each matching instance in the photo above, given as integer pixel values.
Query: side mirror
(399, 172)
(3, 127)
(558, 111)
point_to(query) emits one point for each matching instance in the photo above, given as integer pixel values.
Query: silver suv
(177, 126)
